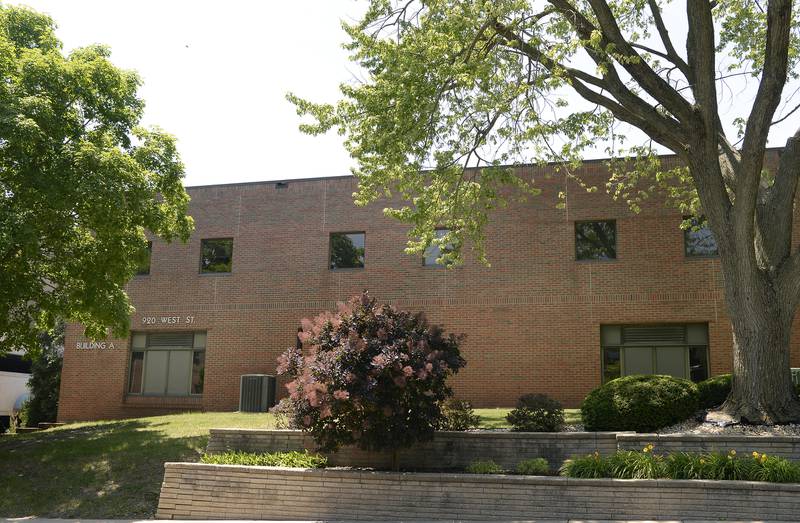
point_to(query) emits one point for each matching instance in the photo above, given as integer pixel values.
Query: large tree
(80, 182)
(453, 89)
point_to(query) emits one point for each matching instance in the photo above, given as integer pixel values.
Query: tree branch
(671, 55)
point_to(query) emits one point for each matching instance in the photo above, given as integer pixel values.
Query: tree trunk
(762, 391)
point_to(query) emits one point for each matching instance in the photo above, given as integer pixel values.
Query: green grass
(114, 469)
(496, 418)
(106, 469)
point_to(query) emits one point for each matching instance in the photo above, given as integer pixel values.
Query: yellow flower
(732, 452)
(763, 458)
(702, 461)
(755, 454)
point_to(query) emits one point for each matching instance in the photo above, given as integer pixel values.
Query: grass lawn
(496, 418)
(107, 469)
(114, 469)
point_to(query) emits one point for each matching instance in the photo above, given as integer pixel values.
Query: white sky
(216, 75)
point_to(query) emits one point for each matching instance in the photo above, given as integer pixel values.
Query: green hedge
(639, 403)
(714, 391)
(291, 459)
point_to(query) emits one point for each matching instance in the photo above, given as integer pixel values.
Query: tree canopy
(453, 90)
(80, 183)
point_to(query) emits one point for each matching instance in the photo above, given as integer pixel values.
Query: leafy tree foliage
(45, 380)
(454, 89)
(375, 376)
(80, 182)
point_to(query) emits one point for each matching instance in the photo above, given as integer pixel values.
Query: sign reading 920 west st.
(167, 320)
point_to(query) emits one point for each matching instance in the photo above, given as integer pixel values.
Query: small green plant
(291, 459)
(484, 467)
(773, 469)
(637, 465)
(536, 413)
(683, 465)
(458, 415)
(714, 391)
(533, 467)
(591, 466)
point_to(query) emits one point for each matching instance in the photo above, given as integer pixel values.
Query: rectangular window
(216, 255)
(596, 240)
(167, 364)
(347, 250)
(137, 369)
(698, 240)
(144, 266)
(434, 251)
(673, 350)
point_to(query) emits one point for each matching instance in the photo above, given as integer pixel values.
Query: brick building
(573, 295)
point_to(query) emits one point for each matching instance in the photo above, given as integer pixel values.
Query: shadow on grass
(107, 470)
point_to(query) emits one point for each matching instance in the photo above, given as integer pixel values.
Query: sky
(216, 75)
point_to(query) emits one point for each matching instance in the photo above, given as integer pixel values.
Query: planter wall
(782, 446)
(458, 449)
(448, 450)
(198, 491)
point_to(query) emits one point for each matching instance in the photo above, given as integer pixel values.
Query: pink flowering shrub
(372, 376)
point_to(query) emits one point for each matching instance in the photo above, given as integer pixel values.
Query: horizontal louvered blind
(170, 339)
(654, 335)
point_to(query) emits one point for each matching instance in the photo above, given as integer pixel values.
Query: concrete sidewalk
(46, 520)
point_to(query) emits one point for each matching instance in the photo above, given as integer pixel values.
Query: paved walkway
(45, 520)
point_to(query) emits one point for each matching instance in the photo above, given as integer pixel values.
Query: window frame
(219, 273)
(435, 264)
(576, 223)
(686, 233)
(687, 348)
(169, 350)
(330, 251)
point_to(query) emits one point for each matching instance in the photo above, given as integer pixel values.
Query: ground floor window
(675, 350)
(167, 363)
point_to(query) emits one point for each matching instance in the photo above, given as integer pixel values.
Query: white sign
(89, 345)
(167, 320)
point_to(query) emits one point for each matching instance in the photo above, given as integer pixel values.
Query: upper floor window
(434, 251)
(347, 250)
(216, 255)
(596, 240)
(144, 266)
(698, 240)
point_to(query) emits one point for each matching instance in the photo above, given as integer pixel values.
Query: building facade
(573, 296)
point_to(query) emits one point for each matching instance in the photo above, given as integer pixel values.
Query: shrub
(773, 469)
(591, 466)
(714, 391)
(292, 459)
(533, 467)
(285, 415)
(374, 376)
(536, 413)
(458, 415)
(45, 380)
(639, 403)
(484, 467)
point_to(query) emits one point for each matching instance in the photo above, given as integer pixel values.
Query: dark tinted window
(144, 266)
(216, 255)
(698, 363)
(596, 240)
(137, 371)
(611, 364)
(698, 240)
(433, 252)
(347, 250)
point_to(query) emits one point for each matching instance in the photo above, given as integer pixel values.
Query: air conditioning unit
(256, 392)
(796, 376)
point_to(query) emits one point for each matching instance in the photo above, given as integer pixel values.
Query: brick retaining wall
(456, 450)
(199, 491)
(783, 446)
(448, 450)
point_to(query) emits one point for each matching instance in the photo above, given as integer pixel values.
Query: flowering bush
(374, 376)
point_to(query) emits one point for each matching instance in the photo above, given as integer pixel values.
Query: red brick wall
(532, 319)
